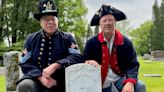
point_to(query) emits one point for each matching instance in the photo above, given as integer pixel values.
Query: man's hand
(92, 62)
(50, 70)
(128, 87)
(47, 82)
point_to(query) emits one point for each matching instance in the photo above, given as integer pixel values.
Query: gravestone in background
(83, 78)
(146, 56)
(158, 54)
(11, 60)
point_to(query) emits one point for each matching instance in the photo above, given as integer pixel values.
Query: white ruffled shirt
(111, 76)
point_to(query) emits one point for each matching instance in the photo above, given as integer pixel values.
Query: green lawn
(2, 85)
(153, 84)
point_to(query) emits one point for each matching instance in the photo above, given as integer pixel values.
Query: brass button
(39, 58)
(40, 53)
(49, 58)
(41, 49)
(43, 40)
(42, 44)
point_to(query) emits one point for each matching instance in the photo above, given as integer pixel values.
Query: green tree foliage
(156, 29)
(89, 32)
(72, 18)
(96, 30)
(161, 25)
(1, 19)
(141, 38)
(17, 20)
(124, 27)
(149, 36)
(158, 22)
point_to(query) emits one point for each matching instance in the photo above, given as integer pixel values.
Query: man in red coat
(114, 52)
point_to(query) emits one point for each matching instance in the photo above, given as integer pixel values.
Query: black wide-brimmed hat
(104, 10)
(46, 7)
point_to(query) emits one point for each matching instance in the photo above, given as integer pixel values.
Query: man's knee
(140, 86)
(27, 85)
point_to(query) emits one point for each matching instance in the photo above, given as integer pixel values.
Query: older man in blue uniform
(114, 52)
(47, 53)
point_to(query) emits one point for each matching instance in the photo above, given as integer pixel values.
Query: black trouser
(28, 85)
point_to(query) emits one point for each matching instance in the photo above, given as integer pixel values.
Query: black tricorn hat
(46, 7)
(104, 10)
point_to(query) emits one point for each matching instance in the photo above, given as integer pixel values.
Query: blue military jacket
(42, 51)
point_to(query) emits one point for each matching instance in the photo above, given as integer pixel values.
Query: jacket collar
(118, 40)
(43, 33)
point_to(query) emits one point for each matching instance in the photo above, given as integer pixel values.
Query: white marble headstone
(83, 78)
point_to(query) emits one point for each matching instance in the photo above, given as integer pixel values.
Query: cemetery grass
(153, 84)
(2, 85)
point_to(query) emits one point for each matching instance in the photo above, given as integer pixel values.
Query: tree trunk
(14, 37)
(1, 21)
